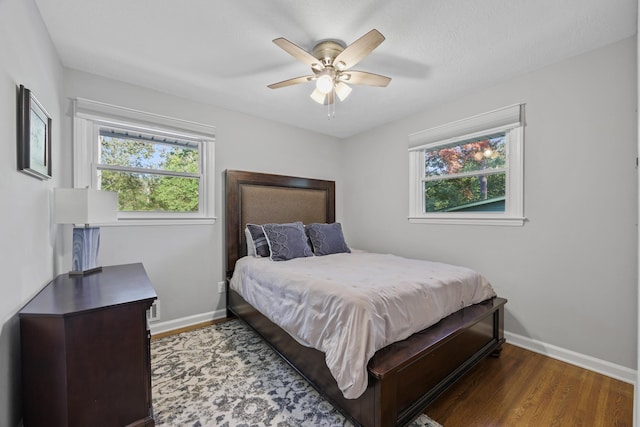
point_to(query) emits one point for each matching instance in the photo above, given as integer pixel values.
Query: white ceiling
(221, 52)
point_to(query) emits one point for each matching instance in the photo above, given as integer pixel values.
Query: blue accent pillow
(327, 239)
(287, 241)
(259, 240)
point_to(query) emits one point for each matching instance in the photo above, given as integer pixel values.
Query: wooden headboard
(260, 198)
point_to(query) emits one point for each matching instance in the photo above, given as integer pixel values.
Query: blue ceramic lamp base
(86, 243)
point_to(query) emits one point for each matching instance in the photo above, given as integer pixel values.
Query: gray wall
(185, 262)
(27, 236)
(570, 272)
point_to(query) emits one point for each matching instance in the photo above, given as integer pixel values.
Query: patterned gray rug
(225, 375)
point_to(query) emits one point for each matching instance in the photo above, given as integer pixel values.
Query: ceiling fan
(331, 63)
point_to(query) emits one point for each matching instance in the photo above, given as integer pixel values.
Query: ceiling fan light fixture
(331, 63)
(342, 90)
(324, 84)
(318, 96)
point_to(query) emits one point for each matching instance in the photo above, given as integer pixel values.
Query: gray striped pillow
(259, 240)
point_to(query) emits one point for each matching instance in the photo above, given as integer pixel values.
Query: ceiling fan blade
(290, 82)
(357, 50)
(364, 78)
(297, 52)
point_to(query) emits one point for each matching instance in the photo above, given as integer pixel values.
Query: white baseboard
(603, 367)
(171, 325)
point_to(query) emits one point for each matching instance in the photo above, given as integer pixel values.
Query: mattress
(351, 305)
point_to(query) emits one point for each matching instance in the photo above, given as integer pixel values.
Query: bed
(403, 377)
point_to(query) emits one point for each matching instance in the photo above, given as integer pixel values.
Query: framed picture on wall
(34, 136)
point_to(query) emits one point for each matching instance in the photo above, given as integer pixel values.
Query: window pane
(144, 154)
(149, 192)
(466, 156)
(483, 193)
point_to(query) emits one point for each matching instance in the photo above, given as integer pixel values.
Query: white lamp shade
(318, 96)
(342, 90)
(84, 206)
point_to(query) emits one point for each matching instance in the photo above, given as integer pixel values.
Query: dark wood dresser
(86, 350)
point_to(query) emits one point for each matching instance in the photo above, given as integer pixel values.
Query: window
(466, 176)
(161, 168)
(470, 171)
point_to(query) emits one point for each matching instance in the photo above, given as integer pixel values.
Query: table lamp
(84, 206)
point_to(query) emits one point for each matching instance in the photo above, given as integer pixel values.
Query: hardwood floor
(523, 388)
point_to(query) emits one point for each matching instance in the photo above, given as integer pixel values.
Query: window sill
(127, 222)
(461, 220)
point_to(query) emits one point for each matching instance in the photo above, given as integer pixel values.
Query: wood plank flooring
(523, 388)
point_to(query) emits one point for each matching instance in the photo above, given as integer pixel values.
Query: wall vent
(153, 314)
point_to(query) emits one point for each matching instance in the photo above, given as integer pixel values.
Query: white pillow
(251, 247)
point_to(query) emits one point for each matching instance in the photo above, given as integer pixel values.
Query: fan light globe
(324, 83)
(318, 96)
(342, 90)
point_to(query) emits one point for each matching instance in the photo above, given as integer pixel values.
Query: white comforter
(351, 305)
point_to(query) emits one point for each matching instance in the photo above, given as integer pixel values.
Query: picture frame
(34, 136)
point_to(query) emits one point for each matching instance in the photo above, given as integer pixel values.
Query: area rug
(225, 375)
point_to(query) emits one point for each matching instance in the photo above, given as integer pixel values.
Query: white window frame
(90, 116)
(509, 120)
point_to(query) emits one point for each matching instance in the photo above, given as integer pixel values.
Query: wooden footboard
(404, 377)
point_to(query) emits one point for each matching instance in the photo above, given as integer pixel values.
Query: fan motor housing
(327, 50)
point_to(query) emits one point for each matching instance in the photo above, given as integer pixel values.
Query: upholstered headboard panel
(259, 198)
